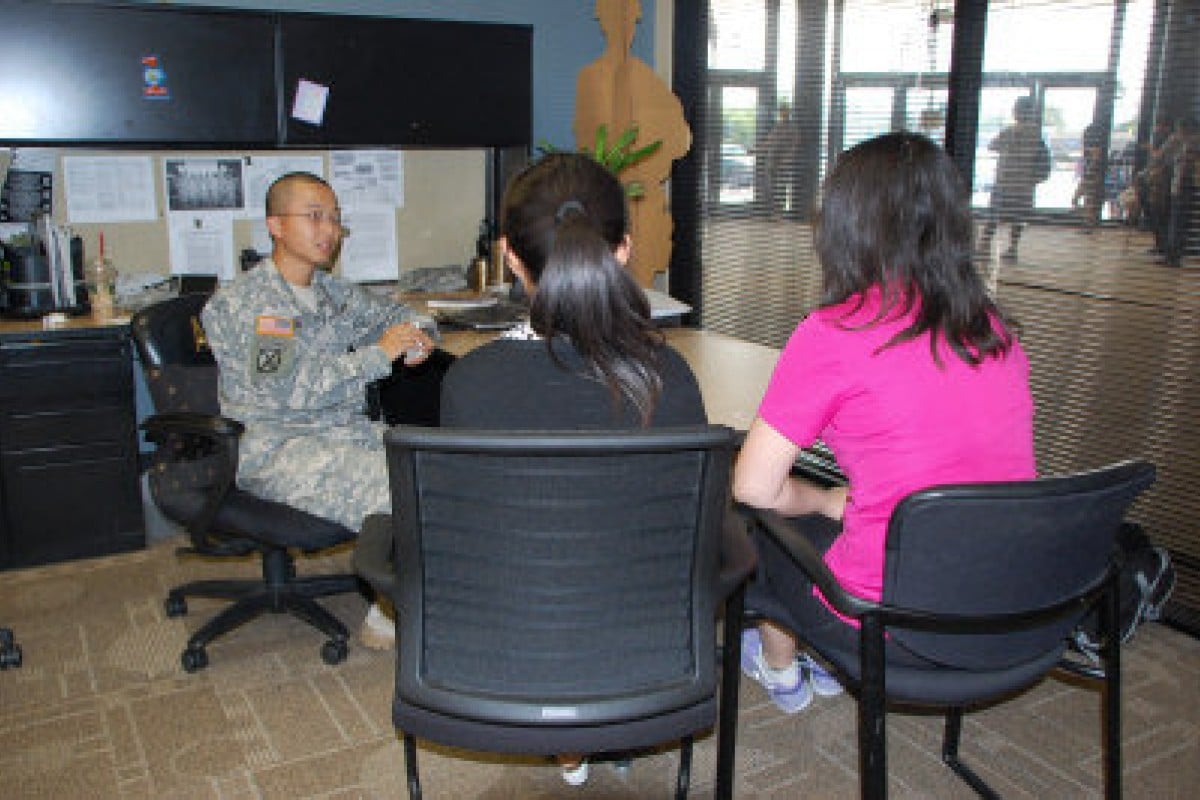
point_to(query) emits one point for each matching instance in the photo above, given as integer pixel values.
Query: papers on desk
(662, 305)
(457, 303)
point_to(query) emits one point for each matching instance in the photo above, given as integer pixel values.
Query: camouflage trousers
(337, 478)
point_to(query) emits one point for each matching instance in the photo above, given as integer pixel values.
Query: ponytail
(587, 295)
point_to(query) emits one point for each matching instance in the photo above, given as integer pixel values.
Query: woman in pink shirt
(907, 371)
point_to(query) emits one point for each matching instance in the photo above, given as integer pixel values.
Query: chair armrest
(206, 435)
(811, 562)
(738, 554)
(372, 557)
(211, 425)
(222, 432)
(805, 556)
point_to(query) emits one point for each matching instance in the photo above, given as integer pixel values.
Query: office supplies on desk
(136, 290)
(197, 284)
(663, 306)
(102, 283)
(496, 315)
(42, 272)
(461, 303)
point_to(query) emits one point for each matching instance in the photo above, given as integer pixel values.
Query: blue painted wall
(566, 36)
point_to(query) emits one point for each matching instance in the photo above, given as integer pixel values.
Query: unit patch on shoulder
(273, 353)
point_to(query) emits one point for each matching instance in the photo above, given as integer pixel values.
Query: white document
(109, 188)
(662, 305)
(33, 159)
(367, 177)
(261, 172)
(309, 104)
(10, 229)
(202, 244)
(369, 253)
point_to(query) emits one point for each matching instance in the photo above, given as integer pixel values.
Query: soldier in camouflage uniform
(296, 348)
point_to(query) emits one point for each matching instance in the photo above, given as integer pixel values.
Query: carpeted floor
(101, 709)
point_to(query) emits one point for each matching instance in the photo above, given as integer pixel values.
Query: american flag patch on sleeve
(268, 325)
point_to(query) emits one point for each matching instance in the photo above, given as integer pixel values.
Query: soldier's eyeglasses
(318, 216)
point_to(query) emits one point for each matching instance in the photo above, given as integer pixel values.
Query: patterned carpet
(101, 709)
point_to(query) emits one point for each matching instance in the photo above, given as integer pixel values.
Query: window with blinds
(1103, 273)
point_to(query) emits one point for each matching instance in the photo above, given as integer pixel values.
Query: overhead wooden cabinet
(407, 82)
(125, 75)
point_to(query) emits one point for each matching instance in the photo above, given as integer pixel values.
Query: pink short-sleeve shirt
(896, 421)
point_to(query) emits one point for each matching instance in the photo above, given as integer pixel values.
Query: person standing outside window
(1023, 162)
(782, 154)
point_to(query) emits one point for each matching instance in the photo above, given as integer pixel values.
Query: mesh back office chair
(983, 584)
(557, 591)
(192, 481)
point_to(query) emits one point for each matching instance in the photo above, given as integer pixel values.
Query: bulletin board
(194, 212)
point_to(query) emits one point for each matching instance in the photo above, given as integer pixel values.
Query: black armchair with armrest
(983, 584)
(556, 592)
(193, 482)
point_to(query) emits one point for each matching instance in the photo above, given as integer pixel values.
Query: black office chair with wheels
(556, 592)
(193, 482)
(10, 651)
(983, 584)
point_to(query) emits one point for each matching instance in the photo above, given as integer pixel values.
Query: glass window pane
(737, 38)
(1047, 36)
(1068, 112)
(785, 73)
(868, 113)
(896, 37)
(739, 132)
(925, 112)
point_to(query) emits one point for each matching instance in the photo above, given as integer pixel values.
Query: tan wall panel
(444, 201)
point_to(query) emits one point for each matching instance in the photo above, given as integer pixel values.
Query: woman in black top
(590, 356)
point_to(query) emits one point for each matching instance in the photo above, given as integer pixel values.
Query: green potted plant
(616, 156)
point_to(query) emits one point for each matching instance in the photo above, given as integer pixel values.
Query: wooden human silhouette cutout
(619, 90)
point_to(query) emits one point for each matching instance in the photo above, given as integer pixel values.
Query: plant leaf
(645, 152)
(601, 143)
(621, 146)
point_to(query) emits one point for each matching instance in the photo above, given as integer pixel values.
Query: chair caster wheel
(175, 605)
(10, 656)
(194, 659)
(334, 651)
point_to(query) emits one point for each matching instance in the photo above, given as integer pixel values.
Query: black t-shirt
(516, 385)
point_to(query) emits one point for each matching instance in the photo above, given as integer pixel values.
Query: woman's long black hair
(896, 215)
(564, 217)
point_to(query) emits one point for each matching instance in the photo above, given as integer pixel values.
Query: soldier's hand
(407, 340)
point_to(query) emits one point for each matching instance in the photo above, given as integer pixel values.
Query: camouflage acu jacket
(288, 372)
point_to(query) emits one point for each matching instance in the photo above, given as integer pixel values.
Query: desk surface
(82, 322)
(733, 373)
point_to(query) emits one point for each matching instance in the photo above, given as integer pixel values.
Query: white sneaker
(790, 699)
(576, 776)
(823, 681)
(378, 631)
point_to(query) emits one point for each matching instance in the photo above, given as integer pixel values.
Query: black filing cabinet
(69, 481)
